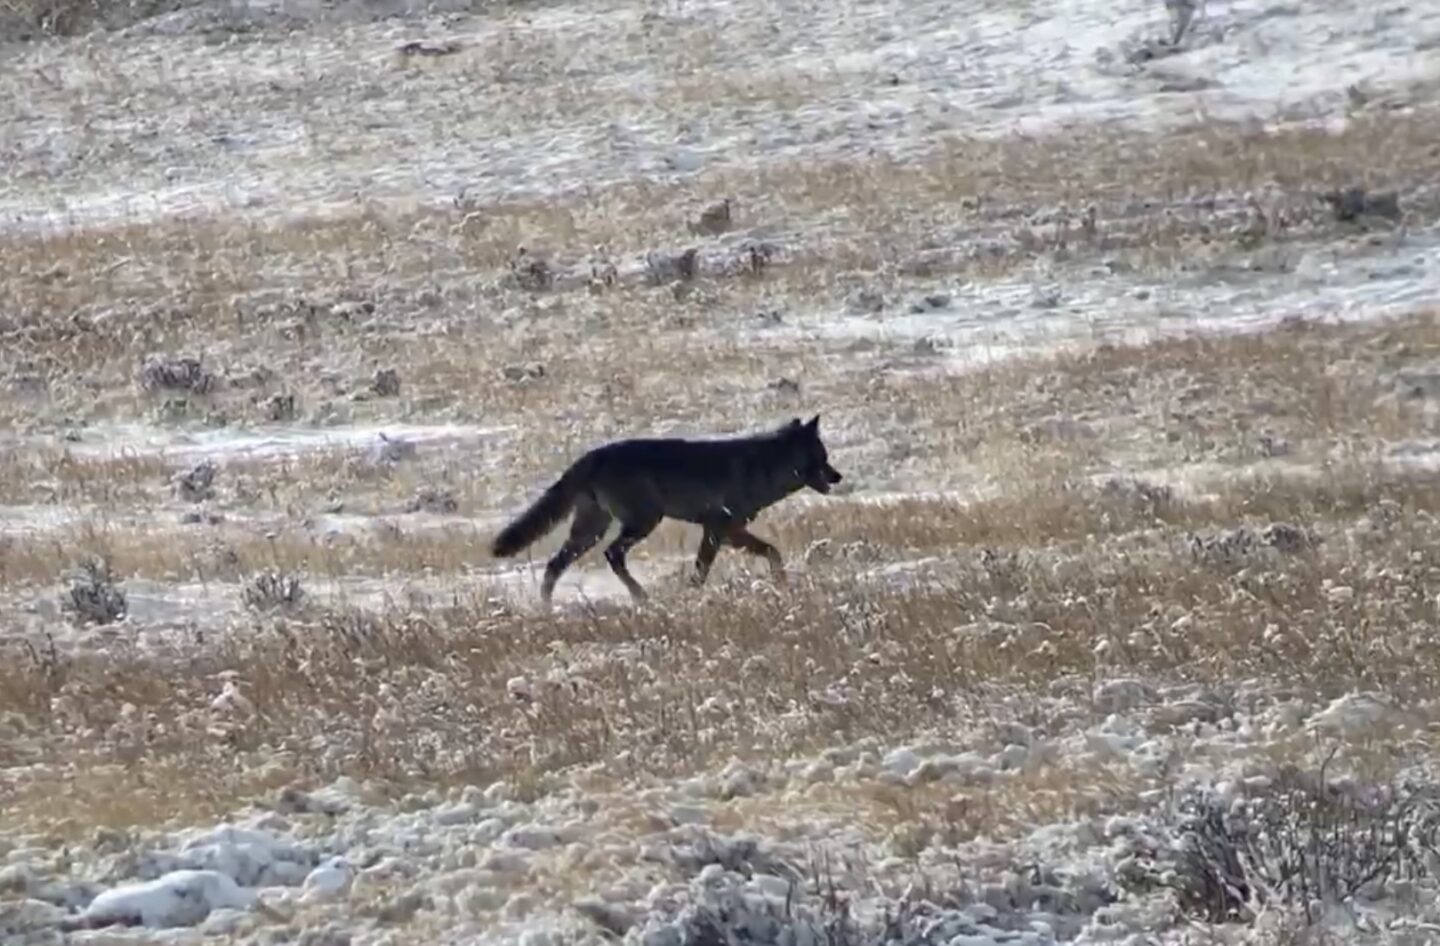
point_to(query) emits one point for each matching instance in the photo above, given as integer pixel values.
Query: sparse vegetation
(197, 484)
(1303, 843)
(93, 595)
(176, 374)
(1114, 599)
(272, 590)
(29, 19)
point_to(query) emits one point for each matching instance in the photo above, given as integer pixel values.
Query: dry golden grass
(1013, 444)
(1031, 575)
(228, 554)
(45, 476)
(1221, 514)
(1133, 178)
(140, 792)
(423, 694)
(87, 305)
(1179, 398)
(1040, 580)
(1044, 511)
(28, 19)
(914, 817)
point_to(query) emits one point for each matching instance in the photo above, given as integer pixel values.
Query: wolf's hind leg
(591, 521)
(742, 538)
(631, 534)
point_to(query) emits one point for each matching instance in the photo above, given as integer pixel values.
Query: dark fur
(721, 484)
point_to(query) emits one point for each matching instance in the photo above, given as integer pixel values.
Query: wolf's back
(547, 511)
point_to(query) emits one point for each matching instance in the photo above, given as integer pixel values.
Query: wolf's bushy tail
(553, 505)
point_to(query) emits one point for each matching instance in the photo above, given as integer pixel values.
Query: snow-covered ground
(571, 96)
(300, 201)
(748, 854)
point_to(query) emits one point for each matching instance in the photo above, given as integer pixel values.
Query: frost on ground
(1158, 809)
(580, 97)
(1119, 629)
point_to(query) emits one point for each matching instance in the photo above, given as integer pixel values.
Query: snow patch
(179, 898)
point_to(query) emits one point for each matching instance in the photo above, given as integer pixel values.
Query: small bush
(433, 499)
(176, 374)
(273, 590)
(93, 596)
(1305, 841)
(197, 484)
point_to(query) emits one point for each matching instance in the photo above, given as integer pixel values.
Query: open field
(1122, 626)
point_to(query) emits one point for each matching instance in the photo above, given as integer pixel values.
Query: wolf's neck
(778, 482)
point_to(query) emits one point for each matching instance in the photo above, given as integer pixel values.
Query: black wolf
(721, 484)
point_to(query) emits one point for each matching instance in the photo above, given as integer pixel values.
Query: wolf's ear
(794, 422)
(813, 425)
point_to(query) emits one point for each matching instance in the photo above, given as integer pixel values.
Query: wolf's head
(814, 461)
